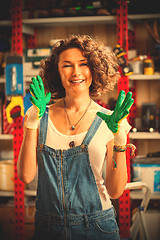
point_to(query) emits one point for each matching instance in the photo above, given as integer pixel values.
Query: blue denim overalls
(68, 205)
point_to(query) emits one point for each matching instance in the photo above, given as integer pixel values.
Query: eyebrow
(82, 60)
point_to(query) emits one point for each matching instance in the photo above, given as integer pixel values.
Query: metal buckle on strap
(86, 221)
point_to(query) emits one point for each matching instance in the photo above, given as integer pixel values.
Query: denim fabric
(97, 226)
(68, 204)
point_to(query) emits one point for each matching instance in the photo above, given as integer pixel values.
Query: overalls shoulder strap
(43, 127)
(93, 128)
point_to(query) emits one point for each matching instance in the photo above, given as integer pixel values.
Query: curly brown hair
(102, 62)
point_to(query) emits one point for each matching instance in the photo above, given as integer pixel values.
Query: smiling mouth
(77, 81)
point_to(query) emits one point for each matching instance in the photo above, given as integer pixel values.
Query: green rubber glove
(124, 103)
(39, 98)
(39, 101)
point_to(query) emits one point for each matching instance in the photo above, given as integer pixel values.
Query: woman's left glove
(124, 103)
(39, 100)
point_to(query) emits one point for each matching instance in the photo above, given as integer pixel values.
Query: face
(74, 71)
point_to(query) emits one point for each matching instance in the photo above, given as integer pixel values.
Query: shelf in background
(26, 78)
(27, 192)
(5, 23)
(138, 17)
(31, 193)
(144, 135)
(131, 77)
(144, 77)
(79, 20)
(6, 137)
(144, 159)
(70, 20)
(2, 79)
(6, 193)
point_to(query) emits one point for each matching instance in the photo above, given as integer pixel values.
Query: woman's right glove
(39, 100)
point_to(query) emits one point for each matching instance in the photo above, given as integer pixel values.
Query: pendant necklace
(71, 144)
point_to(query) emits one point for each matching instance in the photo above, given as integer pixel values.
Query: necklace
(73, 126)
(72, 143)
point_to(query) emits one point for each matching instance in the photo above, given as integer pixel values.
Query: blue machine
(14, 76)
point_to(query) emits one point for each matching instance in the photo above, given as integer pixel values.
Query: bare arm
(27, 160)
(116, 178)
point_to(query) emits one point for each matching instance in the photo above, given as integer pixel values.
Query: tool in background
(14, 76)
(149, 117)
(148, 66)
(153, 33)
(126, 67)
(15, 102)
(35, 55)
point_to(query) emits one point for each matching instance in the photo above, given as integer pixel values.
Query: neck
(78, 103)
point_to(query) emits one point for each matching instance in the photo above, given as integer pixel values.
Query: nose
(76, 70)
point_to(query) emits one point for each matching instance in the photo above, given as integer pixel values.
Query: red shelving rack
(17, 49)
(125, 39)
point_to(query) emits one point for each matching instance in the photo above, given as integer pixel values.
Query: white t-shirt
(97, 150)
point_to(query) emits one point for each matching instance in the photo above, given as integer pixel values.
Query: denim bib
(68, 204)
(66, 183)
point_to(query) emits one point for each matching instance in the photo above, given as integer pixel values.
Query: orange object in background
(148, 66)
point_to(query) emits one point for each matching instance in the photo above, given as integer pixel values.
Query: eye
(84, 64)
(67, 65)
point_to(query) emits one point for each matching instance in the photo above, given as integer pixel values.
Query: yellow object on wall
(15, 101)
(148, 66)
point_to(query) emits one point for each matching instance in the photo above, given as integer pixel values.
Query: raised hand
(39, 98)
(124, 103)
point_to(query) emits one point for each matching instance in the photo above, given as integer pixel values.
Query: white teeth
(77, 81)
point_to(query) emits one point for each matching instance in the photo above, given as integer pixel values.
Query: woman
(70, 142)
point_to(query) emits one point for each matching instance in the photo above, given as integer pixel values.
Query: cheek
(88, 74)
(62, 76)
(64, 73)
(60, 72)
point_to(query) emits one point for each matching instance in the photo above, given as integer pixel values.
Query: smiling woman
(70, 143)
(74, 72)
(101, 61)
